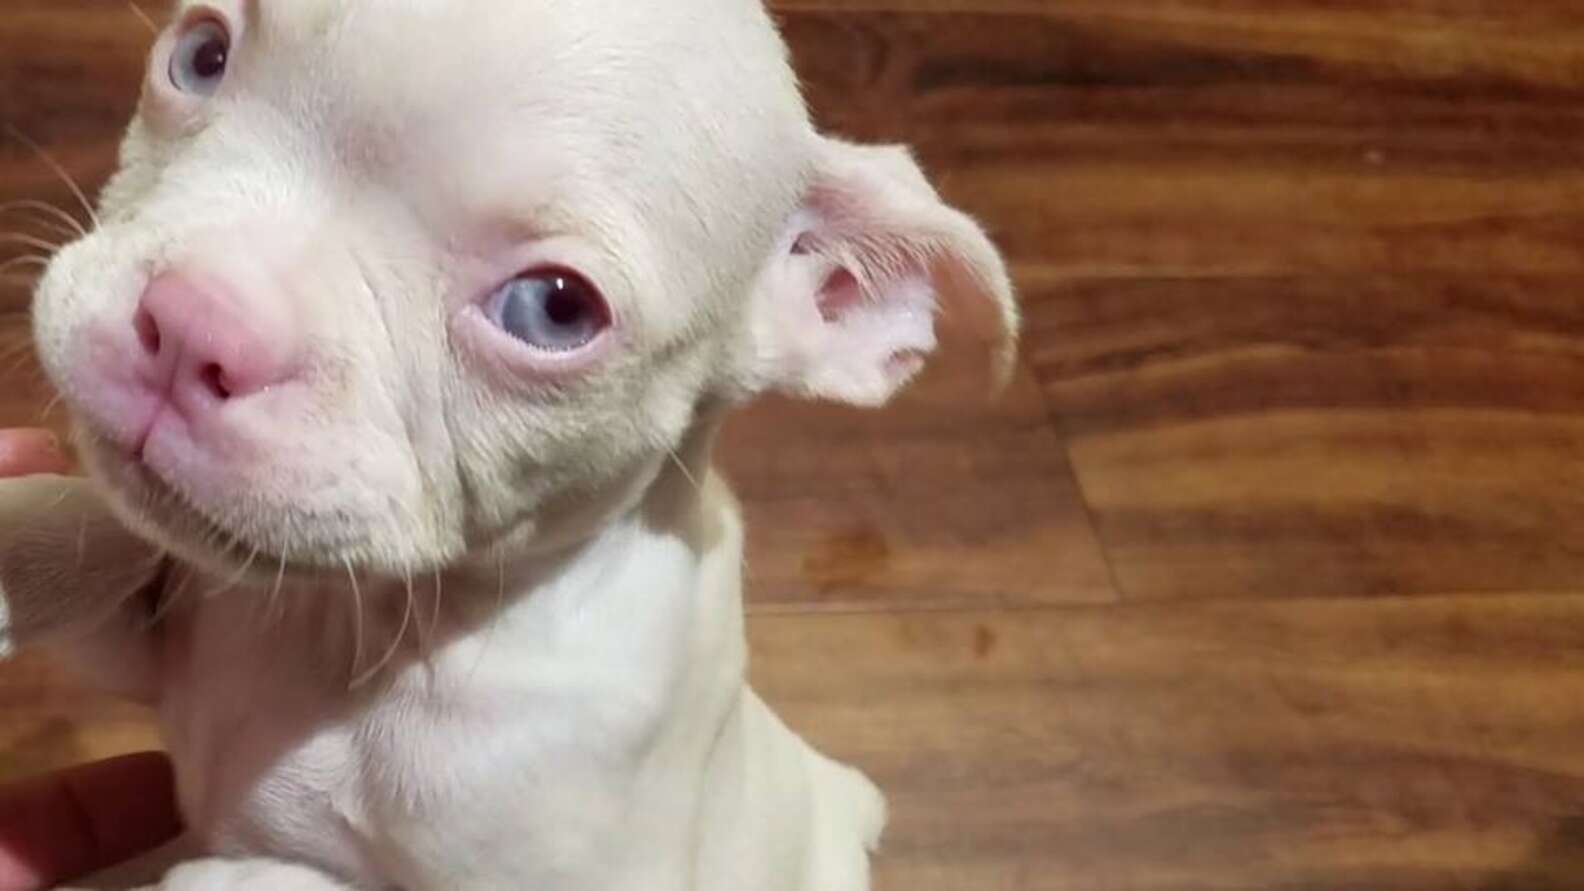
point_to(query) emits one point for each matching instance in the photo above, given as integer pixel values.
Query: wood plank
(1188, 139)
(1306, 436)
(70, 72)
(1402, 745)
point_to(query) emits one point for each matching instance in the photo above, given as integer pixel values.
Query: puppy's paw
(247, 875)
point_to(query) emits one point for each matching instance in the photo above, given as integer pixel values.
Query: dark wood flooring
(1268, 572)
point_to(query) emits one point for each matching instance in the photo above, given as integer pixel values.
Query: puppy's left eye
(552, 311)
(199, 62)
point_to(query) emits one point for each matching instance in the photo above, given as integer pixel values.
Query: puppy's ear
(846, 308)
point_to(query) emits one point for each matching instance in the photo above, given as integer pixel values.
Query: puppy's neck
(642, 575)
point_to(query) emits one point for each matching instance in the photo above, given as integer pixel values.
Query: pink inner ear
(839, 295)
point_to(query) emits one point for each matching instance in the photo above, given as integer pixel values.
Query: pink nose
(201, 342)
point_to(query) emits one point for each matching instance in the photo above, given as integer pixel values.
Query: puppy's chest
(469, 763)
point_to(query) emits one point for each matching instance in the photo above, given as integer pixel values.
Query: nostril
(214, 377)
(148, 331)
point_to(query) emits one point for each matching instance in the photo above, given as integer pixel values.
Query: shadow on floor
(1557, 864)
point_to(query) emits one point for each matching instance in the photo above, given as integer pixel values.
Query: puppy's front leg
(246, 875)
(229, 875)
(69, 573)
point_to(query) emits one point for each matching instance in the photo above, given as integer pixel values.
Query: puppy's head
(380, 283)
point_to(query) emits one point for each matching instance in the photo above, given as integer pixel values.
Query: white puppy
(396, 361)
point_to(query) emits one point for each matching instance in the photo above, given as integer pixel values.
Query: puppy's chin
(286, 547)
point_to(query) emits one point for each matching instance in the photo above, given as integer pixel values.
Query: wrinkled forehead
(381, 62)
(681, 87)
(314, 20)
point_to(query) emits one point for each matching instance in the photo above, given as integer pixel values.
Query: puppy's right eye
(199, 62)
(553, 311)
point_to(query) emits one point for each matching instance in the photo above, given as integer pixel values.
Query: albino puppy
(396, 359)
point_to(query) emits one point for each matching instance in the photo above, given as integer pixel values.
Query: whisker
(357, 624)
(390, 653)
(172, 596)
(24, 377)
(56, 229)
(143, 17)
(32, 241)
(41, 262)
(207, 542)
(435, 616)
(46, 215)
(21, 344)
(434, 625)
(242, 573)
(277, 600)
(49, 407)
(46, 208)
(18, 354)
(500, 606)
(52, 226)
(687, 474)
(55, 166)
(418, 629)
(19, 359)
(65, 493)
(82, 542)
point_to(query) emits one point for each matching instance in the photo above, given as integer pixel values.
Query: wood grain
(1402, 745)
(1301, 277)
(70, 72)
(1396, 745)
(947, 497)
(1304, 344)
(47, 721)
(1303, 436)
(1222, 143)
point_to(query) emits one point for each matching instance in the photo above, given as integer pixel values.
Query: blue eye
(198, 64)
(553, 311)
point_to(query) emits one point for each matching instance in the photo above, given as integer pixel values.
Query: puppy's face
(381, 283)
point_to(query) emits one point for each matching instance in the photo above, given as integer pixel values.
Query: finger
(79, 821)
(24, 452)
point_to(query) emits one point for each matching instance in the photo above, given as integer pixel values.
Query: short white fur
(438, 612)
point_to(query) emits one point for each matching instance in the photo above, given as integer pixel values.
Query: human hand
(76, 822)
(25, 452)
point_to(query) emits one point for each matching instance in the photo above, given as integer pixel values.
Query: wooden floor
(1268, 573)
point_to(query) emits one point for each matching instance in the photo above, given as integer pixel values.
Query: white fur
(432, 610)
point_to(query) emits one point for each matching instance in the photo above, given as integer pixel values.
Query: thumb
(24, 452)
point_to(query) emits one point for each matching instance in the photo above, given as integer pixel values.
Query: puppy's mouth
(161, 512)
